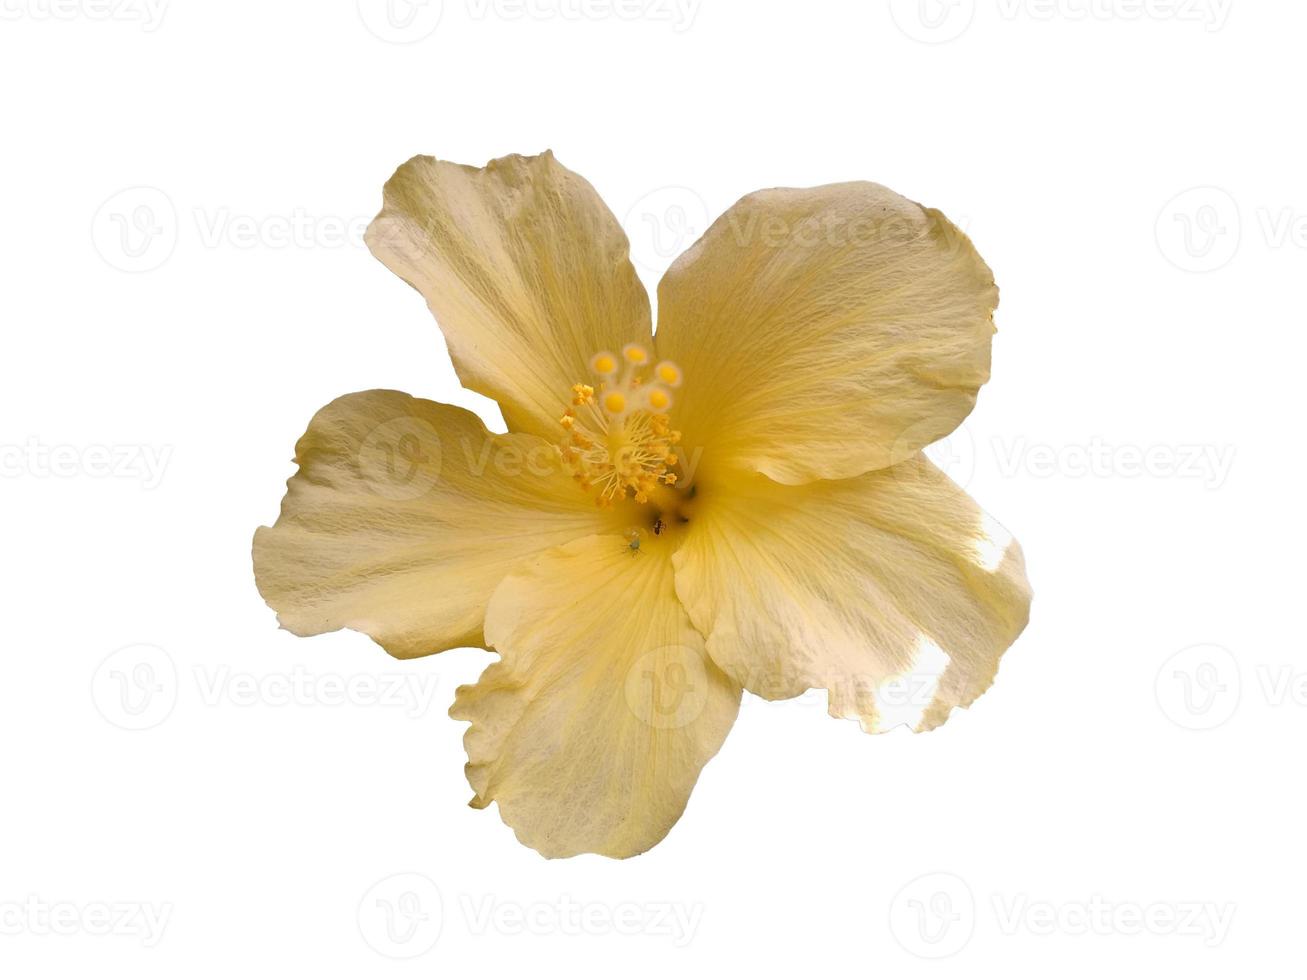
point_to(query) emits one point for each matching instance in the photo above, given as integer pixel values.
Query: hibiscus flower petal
(591, 729)
(825, 332)
(892, 590)
(404, 516)
(526, 271)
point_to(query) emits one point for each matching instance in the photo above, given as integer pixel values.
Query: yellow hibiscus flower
(765, 521)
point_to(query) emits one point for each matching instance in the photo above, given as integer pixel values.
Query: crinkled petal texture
(891, 590)
(592, 728)
(403, 518)
(825, 332)
(526, 270)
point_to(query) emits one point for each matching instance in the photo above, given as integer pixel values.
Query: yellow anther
(668, 373)
(603, 363)
(671, 459)
(659, 399)
(615, 402)
(669, 479)
(568, 420)
(635, 354)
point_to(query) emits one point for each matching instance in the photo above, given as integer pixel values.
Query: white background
(184, 188)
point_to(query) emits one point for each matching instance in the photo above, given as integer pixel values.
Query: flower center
(619, 441)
